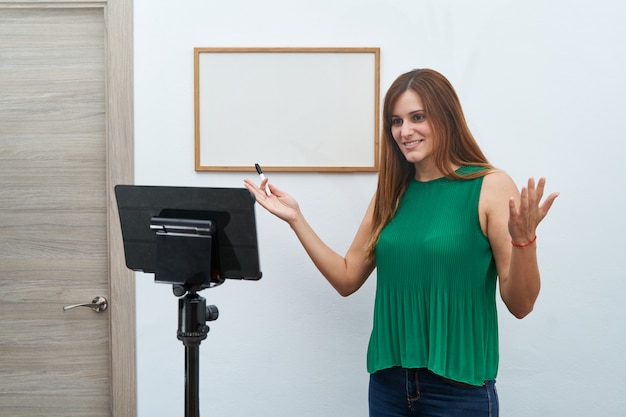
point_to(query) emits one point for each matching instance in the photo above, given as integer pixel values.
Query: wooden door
(65, 141)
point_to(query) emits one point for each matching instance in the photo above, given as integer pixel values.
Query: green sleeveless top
(435, 302)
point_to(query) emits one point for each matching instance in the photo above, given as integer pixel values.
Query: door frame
(118, 15)
(118, 41)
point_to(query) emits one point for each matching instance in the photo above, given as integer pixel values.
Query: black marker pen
(260, 171)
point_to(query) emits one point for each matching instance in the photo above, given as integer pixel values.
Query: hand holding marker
(260, 171)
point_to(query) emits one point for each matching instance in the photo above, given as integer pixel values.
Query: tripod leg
(192, 385)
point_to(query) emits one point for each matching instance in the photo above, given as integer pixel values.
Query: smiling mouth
(412, 144)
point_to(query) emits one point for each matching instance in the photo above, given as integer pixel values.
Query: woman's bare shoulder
(497, 184)
(498, 177)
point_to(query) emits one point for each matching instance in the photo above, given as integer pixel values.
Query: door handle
(98, 304)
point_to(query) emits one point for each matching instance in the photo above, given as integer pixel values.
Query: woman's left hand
(523, 220)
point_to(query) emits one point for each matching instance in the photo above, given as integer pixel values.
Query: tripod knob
(179, 290)
(212, 313)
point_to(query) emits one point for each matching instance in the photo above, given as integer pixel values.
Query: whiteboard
(288, 109)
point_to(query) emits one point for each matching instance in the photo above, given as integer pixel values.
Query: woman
(443, 226)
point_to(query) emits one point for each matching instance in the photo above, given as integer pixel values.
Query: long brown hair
(454, 143)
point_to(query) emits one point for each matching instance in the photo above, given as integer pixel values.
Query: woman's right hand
(279, 203)
(345, 273)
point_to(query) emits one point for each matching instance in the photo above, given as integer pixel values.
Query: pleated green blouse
(435, 302)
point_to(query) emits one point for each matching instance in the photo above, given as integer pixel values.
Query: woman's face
(411, 129)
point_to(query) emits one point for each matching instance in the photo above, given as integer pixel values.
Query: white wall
(544, 90)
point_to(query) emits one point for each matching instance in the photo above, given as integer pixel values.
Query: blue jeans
(399, 392)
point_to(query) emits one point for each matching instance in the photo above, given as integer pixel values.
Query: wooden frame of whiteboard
(236, 110)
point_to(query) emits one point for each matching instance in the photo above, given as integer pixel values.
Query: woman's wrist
(524, 245)
(296, 220)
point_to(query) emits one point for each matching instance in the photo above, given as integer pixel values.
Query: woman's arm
(510, 217)
(345, 273)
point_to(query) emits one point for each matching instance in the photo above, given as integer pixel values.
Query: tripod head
(193, 313)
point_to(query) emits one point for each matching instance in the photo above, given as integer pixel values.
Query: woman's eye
(418, 117)
(396, 122)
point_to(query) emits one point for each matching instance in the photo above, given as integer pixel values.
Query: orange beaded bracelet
(517, 245)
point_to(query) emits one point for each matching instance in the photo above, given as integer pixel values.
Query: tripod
(192, 238)
(193, 313)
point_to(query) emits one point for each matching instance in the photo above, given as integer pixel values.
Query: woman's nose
(406, 129)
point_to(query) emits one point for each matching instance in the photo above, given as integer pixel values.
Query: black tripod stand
(191, 238)
(193, 313)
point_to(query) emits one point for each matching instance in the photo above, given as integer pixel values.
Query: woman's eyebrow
(410, 113)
